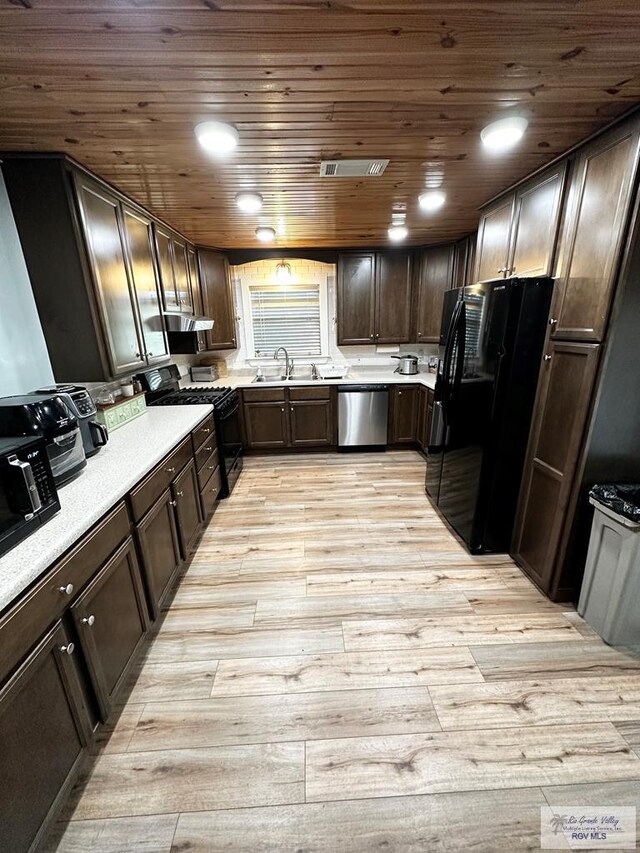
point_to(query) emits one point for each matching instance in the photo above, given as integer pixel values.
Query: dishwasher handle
(355, 389)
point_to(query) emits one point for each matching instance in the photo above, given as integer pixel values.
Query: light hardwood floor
(337, 673)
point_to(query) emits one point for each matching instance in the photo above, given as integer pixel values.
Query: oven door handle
(224, 415)
(28, 481)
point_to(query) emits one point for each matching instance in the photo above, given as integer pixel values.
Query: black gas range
(162, 388)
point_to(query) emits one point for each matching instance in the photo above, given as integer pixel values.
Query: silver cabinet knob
(179, 494)
(553, 321)
(68, 649)
(66, 590)
(371, 336)
(208, 449)
(89, 620)
(291, 409)
(173, 503)
(282, 410)
(149, 354)
(547, 358)
(206, 430)
(399, 393)
(211, 467)
(169, 470)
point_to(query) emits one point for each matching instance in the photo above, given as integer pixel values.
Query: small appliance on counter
(46, 416)
(28, 494)
(80, 403)
(407, 364)
(204, 373)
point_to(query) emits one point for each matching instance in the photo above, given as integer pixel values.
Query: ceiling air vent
(352, 168)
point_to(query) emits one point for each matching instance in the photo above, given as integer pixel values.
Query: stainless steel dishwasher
(362, 417)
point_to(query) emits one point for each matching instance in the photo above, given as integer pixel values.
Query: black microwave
(28, 495)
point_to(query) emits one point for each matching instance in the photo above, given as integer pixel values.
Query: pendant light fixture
(283, 273)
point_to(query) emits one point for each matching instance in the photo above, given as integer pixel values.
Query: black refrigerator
(492, 339)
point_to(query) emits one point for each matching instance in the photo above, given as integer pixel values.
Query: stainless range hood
(187, 322)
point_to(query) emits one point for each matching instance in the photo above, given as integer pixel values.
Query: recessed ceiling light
(503, 134)
(216, 137)
(431, 200)
(398, 233)
(265, 235)
(249, 202)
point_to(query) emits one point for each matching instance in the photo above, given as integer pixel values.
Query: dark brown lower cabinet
(312, 423)
(188, 511)
(403, 413)
(266, 425)
(559, 421)
(159, 549)
(425, 414)
(111, 620)
(44, 729)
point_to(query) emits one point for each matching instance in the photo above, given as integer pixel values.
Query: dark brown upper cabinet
(463, 261)
(535, 224)
(356, 298)
(218, 300)
(174, 272)
(393, 297)
(591, 242)
(86, 259)
(139, 238)
(517, 235)
(194, 280)
(494, 232)
(374, 297)
(434, 277)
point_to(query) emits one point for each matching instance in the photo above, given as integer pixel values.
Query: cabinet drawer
(206, 431)
(210, 492)
(33, 614)
(263, 395)
(144, 495)
(208, 468)
(317, 392)
(204, 454)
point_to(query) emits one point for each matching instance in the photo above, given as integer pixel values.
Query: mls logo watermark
(587, 828)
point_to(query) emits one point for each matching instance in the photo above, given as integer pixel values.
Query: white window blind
(286, 317)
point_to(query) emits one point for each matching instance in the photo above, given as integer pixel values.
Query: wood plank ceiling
(120, 84)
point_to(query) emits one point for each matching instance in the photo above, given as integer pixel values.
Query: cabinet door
(266, 425)
(101, 223)
(185, 491)
(422, 415)
(393, 297)
(219, 304)
(535, 224)
(312, 423)
(597, 213)
(181, 276)
(403, 414)
(165, 267)
(159, 549)
(461, 258)
(494, 231)
(194, 281)
(559, 421)
(435, 276)
(356, 298)
(428, 419)
(43, 733)
(111, 620)
(139, 241)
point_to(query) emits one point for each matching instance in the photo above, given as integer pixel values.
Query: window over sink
(290, 312)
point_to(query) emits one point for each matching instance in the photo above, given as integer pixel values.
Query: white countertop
(355, 376)
(132, 451)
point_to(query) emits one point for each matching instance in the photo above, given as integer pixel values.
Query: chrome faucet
(288, 369)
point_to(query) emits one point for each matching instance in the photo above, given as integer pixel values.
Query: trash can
(610, 594)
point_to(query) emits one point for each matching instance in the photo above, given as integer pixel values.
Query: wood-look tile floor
(337, 673)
